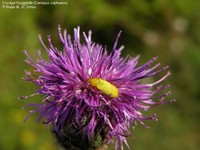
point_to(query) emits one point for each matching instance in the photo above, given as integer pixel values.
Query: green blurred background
(169, 29)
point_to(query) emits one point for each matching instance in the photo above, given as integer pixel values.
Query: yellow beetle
(104, 86)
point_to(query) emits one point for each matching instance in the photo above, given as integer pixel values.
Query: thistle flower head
(92, 94)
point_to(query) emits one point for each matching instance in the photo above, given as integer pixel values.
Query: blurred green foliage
(169, 29)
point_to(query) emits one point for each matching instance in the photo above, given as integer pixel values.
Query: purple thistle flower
(91, 95)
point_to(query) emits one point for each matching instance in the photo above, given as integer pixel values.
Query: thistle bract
(91, 96)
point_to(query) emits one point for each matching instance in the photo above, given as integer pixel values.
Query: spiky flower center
(104, 86)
